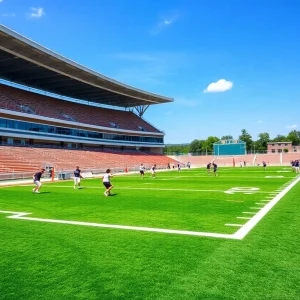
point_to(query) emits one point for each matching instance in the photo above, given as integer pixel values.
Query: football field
(187, 235)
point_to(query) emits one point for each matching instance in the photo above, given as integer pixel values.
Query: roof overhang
(28, 63)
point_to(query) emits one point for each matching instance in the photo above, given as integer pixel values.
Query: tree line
(206, 146)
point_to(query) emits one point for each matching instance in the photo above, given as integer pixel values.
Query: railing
(67, 174)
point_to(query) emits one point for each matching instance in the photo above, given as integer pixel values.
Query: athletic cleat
(37, 192)
(105, 194)
(33, 190)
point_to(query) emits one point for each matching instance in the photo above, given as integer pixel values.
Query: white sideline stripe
(234, 225)
(242, 232)
(244, 218)
(21, 216)
(248, 212)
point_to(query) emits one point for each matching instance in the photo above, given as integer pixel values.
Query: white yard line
(234, 225)
(242, 232)
(243, 218)
(23, 216)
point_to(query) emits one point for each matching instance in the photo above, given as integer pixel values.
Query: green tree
(208, 145)
(261, 143)
(280, 138)
(247, 138)
(196, 146)
(294, 137)
(176, 149)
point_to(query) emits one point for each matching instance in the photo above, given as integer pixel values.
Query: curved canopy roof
(25, 62)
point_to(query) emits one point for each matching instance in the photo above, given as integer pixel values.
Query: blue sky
(229, 64)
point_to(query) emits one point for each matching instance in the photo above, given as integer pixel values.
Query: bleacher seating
(30, 159)
(27, 102)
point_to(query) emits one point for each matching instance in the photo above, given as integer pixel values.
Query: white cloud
(221, 85)
(259, 122)
(292, 126)
(37, 12)
(1, 1)
(163, 23)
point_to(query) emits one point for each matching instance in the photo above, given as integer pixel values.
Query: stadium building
(48, 102)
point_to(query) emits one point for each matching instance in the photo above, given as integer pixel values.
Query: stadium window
(279, 150)
(10, 124)
(273, 151)
(279, 144)
(37, 127)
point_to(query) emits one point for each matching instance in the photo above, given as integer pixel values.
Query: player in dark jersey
(77, 177)
(264, 165)
(297, 166)
(37, 181)
(293, 165)
(215, 169)
(153, 171)
(208, 168)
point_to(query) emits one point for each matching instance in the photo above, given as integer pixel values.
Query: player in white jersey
(142, 170)
(106, 182)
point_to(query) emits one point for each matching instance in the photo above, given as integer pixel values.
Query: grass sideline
(44, 260)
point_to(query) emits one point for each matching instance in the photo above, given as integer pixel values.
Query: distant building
(278, 147)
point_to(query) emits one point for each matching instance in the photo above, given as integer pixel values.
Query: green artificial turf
(61, 261)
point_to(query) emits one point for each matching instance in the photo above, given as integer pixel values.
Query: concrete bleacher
(30, 159)
(272, 159)
(27, 102)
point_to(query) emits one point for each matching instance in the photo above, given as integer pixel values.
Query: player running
(215, 169)
(37, 181)
(153, 168)
(208, 168)
(106, 182)
(77, 177)
(264, 165)
(293, 165)
(178, 167)
(297, 166)
(142, 170)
